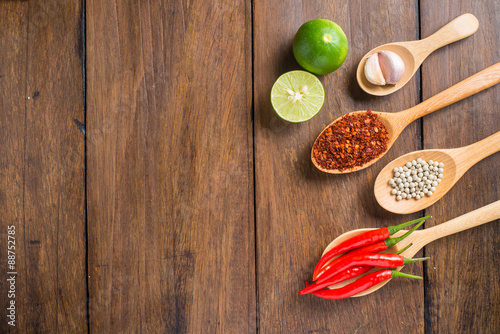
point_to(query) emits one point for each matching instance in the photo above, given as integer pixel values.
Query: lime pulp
(297, 96)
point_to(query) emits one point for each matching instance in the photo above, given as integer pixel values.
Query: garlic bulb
(384, 67)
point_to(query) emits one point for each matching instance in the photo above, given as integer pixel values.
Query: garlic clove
(373, 72)
(392, 66)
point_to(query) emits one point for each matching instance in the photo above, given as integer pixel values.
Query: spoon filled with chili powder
(359, 139)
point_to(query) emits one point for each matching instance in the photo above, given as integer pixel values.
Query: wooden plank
(463, 288)
(42, 164)
(13, 17)
(299, 209)
(170, 191)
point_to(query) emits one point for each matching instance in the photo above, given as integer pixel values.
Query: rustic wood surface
(187, 205)
(170, 171)
(42, 187)
(462, 286)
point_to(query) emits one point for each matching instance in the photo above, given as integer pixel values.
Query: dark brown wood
(299, 209)
(42, 164)
(13, 17)
(170, 189)
(463, 288)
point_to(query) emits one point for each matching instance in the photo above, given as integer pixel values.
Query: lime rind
(297, 96)
(320, 46)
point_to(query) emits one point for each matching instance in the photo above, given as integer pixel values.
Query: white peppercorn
(416, 179)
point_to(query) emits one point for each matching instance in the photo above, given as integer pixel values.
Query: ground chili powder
(351, 141)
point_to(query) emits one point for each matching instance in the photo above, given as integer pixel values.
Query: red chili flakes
(352, 141)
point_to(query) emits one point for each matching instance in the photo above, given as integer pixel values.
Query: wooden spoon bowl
(403, 51)
(420, 238)
(382, 188)
(390, 122)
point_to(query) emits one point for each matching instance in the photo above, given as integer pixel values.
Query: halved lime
(297, 96)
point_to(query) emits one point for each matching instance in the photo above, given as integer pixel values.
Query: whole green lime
(320, 46)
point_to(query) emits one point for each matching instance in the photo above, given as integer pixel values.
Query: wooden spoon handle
(472, 219)
(468, 156)
(461, 27)
(470, 86)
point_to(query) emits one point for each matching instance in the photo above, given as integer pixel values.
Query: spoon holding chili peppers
(420, 238)
(339, 149)
(456, 162)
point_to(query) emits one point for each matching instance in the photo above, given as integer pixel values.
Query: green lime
(320, 46)
(297, 96)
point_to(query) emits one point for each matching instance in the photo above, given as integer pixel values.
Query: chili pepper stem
(407, 261)
(394, 229)
(392, 241)
(401, 251)
(396, 273)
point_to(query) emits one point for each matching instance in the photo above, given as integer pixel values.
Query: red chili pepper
(361, 284)
(370, 259)
(373, 248)
(342, 276)
(360, 240)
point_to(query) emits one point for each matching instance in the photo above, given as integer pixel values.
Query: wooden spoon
(396, 122)
(414, 53)
(420, 238)
(456, 162)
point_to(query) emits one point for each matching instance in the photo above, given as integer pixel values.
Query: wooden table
(152, 188)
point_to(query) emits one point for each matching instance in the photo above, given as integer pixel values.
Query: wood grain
(13, 37)
(42, 164)
(170, 190)
(463, 288)
(299, 209)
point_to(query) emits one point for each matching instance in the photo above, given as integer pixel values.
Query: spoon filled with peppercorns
(359, 139)
(419, 179)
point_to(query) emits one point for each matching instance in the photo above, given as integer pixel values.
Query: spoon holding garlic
(384, 74)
